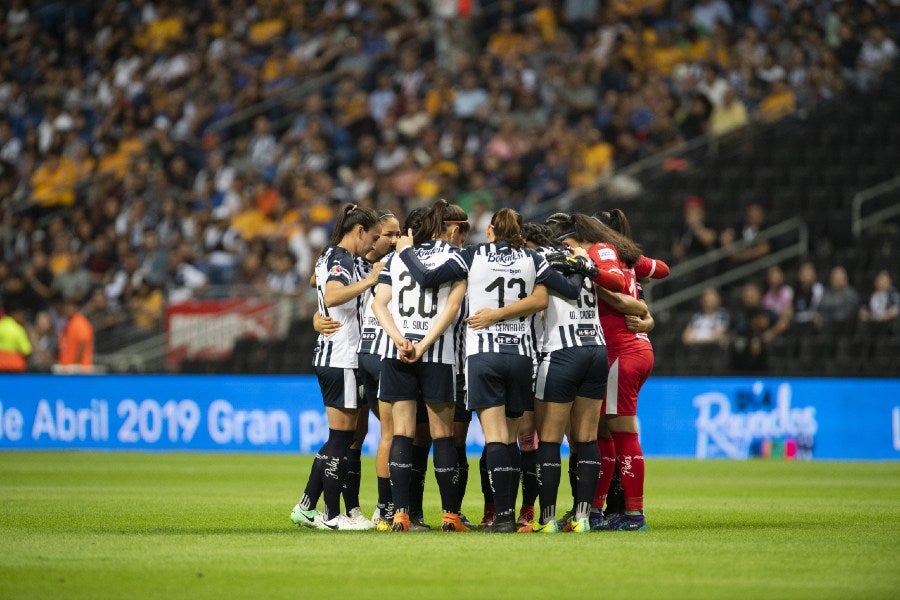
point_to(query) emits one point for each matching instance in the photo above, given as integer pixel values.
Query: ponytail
(351, 216)
(616, 220)
(507, 225)
(540, 235)
(437, 219)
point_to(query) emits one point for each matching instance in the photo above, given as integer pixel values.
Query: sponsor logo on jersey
(586, 331)
(335, 270)
(607, 254)
(504, 258)
(507, 340)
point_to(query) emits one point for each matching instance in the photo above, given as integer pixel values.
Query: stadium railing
(861, 223)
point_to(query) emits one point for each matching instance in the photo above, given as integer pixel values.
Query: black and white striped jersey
(567, 323)
(497, 275)
(339, 348)
(415, 308)
(372, 338)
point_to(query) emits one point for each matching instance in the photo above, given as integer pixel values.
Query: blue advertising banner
(679, 417)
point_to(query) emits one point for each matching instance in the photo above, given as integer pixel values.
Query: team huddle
(541, 332)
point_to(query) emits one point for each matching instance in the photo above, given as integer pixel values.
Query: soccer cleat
(489, 515)
(598, 520)
(529, 528)
(628, 523)
(526, 515)
(582, 525)
(383, 525)
(551, 526)
(417, 523)
(304, 518)
(359, 520)
(376, 516)
(502, 525)
(563, 523)
(339, 523)
(401, 522)
(452, 522)
(466, 521)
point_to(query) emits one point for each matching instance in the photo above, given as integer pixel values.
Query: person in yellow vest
(15, 347)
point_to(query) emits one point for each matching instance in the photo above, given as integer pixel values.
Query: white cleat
(361, 523)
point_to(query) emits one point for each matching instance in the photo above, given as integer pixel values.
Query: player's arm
(442, 322)
(337, 291)
(325, 324)
(651, 268)
(451, 270)
(383, 314)
(536, 302)
(636, 324)
(625, 304)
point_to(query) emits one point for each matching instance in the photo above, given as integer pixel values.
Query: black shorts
(461, 414)
(433, 382)
(338, 387)
(369, 373)
(499, 380)
(569, 372)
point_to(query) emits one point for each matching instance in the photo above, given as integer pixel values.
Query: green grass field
(121, 525)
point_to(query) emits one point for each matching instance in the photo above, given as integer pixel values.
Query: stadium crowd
(155, 151)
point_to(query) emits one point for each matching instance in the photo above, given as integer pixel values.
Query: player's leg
(528, 445)
(633, 371)
(421, 449)
(461, 419)
(385, 507)
(399, 387)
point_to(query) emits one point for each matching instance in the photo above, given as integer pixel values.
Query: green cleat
(304, 518)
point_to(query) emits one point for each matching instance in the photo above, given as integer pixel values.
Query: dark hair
(540, 235)
(436, 221)
(351, 216)
(507, 225)
(585, 229)
(616, 220)
(414, 219)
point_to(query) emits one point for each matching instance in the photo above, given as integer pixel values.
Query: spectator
(696, 238)
(807, 294)
(748, 321)
(15, 346)
(779, 296)
(884, 303)
(839, 301)
(728, 116)
(749, 229)
(875, 57)
(76, 339)
(708, 326)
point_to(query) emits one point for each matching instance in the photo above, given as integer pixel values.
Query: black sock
(417, 483)
(549, 467)
(503, 478)
(313, 490)
(335, 470)
(573, 473)
(515, 459)
(354, 475)
(400, 465)
(486, 489)
(446, 472)
(529, 477)
(615, 499)
(588, 469)
(385, 501)
(463, 463)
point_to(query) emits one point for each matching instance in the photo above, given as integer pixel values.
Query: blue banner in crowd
(680, 417)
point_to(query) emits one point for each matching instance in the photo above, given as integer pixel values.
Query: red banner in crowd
(208, 328)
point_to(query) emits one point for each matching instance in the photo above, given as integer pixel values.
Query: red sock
(607, 468)
(631, 468)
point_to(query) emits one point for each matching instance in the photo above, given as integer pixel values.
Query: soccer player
(630, 357)
(569, 391)
(339, 288)
(422, 360)
(497, 353)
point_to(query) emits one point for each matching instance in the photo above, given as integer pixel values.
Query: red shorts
(627, 373)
